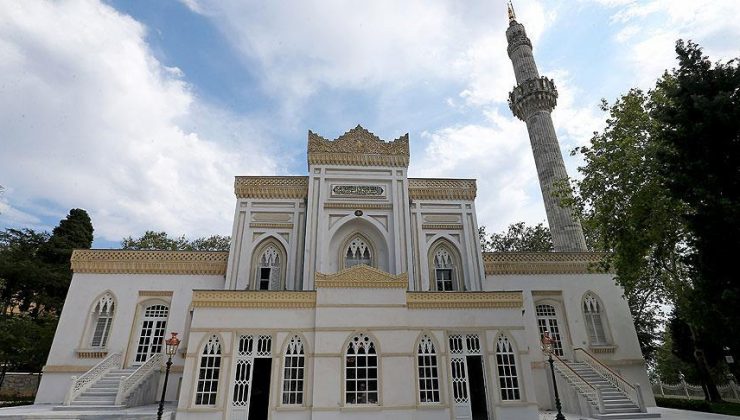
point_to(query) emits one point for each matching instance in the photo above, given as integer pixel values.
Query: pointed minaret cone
(532, 101)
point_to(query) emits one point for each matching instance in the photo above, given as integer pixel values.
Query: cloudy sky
(142, 112)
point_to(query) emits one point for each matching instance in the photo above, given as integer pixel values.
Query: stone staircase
(616, 404)
(101, 395)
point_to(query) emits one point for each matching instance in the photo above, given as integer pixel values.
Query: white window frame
(102, 315)
(595, 320)
(361, 244)
(276, 261)
(506, 369)
(208, 373)
(294, 372)
(444, 257)
(353, 372)
(427, 371)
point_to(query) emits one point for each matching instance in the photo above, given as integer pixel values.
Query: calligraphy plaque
(357, 191)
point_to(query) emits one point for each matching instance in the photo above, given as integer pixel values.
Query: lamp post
(547, 347)
(170, 350)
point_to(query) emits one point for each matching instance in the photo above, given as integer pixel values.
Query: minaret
(532, 101)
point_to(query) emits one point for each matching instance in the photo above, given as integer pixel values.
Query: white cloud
(89, 118)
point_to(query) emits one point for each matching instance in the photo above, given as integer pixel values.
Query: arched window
(426, 358)
(444, 267)
(361, 371)
(293, 371)
(507, 375)
(102, 319)
(358, 252)
(151, 336)
(268, 269)
(594, 321)
(209, 372)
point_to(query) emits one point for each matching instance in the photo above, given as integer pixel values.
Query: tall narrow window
(443, 270)
(426, 358)
(594, 321)
(507, 375)
(152, 332)
(293, 372)
(102, 320)
(361, 371)
(268, 271)
(208, 372)
(358, 252)
(547, 321)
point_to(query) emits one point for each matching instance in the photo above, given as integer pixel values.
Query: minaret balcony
(533, 95)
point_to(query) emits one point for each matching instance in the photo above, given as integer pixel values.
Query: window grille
(293, 372)
(594, 321)
(361, 371)
(358, 252)
(102, 320)
(507, 375)
(268, 272)
(428, 371)
(443, 270)
(208, 372)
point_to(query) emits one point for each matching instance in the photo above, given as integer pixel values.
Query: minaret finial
(512, 15)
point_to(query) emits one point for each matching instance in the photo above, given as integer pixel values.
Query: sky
(142, 112)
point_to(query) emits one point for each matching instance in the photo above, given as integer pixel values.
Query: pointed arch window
(426, 358)
(507, 373)
(443, 270)
(293, 372)
(594, 321)
(102, 320)
(361, 371)
(358, 252)
(268, 271)
(209, 372)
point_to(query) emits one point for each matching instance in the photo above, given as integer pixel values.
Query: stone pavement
(46, 411)
(666, 414)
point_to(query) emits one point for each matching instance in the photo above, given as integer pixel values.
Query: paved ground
(666, 414)
(45, 411)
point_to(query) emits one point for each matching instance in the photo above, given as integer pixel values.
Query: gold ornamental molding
(442, 189)
(117, 261)
(65, 369)
(362, 276)
(91, 353)
(544, 262)
(363, 206)
(253, 299)
(271, 225)
(360, 147)
(442, 226)
(290, 187)
(155, 293)
(463, 300)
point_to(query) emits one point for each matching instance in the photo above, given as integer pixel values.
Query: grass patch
(729, 408)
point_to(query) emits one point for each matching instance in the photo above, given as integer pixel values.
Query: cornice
(442, 189)
(362, 276)
(117, 261)
(442, 226)
(363, 206)
(359, 147)
(253, 299)
(289, 187)
(463, 300)
(544, 262)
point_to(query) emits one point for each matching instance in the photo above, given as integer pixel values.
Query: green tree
(21, 271)
(152, 240)
(517, 238)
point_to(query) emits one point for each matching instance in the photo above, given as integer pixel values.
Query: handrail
(593, 396)
(631, 391)
(142, 373)
(81, 383)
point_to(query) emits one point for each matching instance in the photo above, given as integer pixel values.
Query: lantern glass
(171, 345)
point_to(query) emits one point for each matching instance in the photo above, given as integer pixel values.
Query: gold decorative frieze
(602, 349)
(363, 206)
(442, 189)
(155, 293)
(359, 147)
(117, 261)
(442, 226)
(291, 187)
(463, 300)
(257, 225)
(253, 299)
(91, 353)
(65, 369)
(544, 262)
(362, 276)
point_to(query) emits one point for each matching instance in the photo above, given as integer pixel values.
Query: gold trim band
(463, 300)
(253, 299)
(362, 276)
(544, 262)
(110, 261)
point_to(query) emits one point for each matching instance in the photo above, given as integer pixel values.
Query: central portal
(250, 399)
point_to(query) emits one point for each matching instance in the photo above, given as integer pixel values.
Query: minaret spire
(512, 15)
(532, 101)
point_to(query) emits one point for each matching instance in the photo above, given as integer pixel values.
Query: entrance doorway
(250, 397)
(468, 379)
(153, 326)
(547, 321)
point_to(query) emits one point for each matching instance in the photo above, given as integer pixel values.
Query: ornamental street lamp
(170, 350)
(547, 347)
